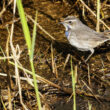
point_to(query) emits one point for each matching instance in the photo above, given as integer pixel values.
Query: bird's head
(70, 22)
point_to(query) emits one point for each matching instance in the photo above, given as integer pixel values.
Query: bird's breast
(78, 43)
(66, 34)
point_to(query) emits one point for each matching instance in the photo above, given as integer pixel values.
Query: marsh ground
(92, 78)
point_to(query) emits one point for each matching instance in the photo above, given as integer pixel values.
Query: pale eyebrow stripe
(70, 20)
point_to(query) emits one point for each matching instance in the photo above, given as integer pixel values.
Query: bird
(81, 36)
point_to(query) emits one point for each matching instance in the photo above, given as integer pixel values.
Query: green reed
(73, 85)
(30, 44)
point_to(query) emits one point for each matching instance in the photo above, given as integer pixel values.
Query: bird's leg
(92, 51)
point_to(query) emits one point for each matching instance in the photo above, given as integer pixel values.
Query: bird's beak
(66, 27)
(61, 23)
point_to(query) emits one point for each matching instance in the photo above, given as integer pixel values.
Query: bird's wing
(87, 34)
(88, 37)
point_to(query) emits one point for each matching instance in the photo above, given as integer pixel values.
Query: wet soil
(92, 85)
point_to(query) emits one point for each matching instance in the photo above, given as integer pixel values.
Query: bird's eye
(70, 22)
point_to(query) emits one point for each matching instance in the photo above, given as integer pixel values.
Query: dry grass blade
(94, 14)
(40, 27)
(5, 7)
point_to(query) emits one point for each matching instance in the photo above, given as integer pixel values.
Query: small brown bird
(81, 36)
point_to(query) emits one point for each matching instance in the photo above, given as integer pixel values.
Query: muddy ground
(92, 85)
